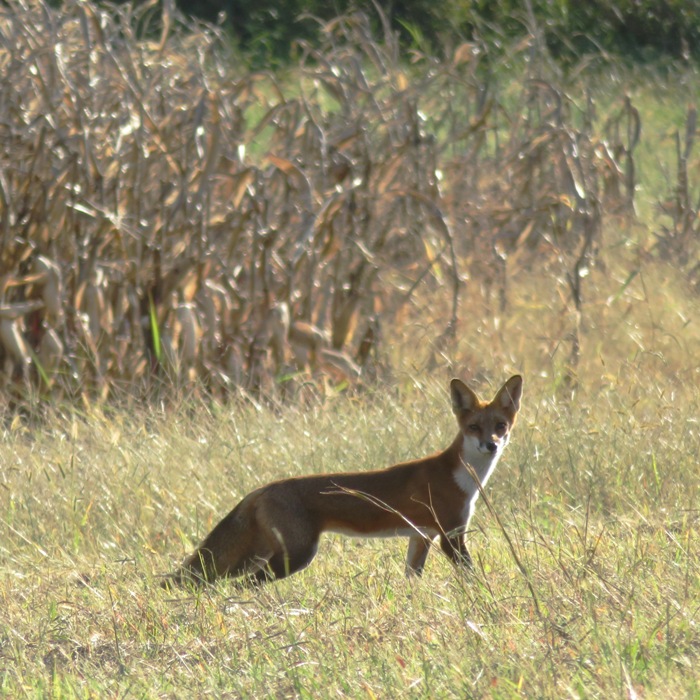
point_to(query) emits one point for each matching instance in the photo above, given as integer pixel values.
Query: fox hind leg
(286, 562)
(292, 537)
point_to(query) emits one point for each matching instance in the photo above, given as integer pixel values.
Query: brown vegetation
(167, 220)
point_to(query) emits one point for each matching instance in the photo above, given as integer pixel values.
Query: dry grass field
(586, 585)
(532, 232)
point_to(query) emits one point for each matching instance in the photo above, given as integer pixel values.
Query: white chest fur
(475, 463)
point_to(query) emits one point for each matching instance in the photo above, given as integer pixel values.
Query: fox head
(486, 426)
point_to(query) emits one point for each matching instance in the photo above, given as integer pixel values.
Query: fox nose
(491, 446)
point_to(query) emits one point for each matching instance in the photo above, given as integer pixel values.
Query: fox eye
(500, 427)
(473, 426)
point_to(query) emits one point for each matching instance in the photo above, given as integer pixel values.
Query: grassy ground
(597, 494)
(587, 580)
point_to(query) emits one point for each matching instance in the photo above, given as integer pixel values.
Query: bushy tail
(224, 552)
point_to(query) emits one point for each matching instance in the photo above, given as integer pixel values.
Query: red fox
(274, 531)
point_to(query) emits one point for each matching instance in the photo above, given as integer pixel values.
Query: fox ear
(508, 396)
(463, 398)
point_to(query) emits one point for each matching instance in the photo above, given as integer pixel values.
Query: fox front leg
(455, 547)
(418, 548)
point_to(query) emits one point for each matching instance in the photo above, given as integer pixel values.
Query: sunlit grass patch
(597, 498)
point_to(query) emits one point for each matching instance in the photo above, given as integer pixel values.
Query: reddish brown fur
(274, 530)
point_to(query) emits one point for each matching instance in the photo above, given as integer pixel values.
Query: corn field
(170, 219)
